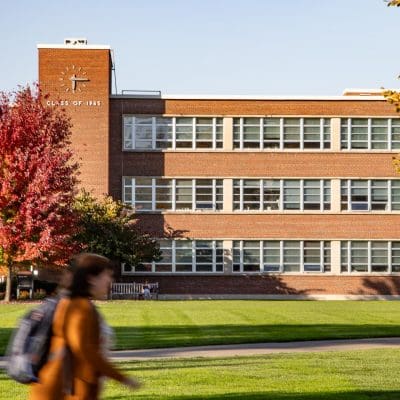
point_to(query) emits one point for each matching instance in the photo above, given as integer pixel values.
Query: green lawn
(141, 324)
(358, 375)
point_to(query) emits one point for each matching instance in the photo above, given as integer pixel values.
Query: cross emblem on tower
(74, 75)
(74, 79)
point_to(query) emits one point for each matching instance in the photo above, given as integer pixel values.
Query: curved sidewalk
(251, 349)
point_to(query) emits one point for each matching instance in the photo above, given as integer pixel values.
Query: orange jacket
(75, 360)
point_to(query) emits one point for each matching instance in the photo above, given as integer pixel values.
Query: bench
(153, 290)
(133, 290)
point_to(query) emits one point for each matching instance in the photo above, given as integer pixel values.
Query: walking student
(77, 358)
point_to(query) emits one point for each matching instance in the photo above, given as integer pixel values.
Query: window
(143, 194)
(370, 195)
(291, 195)
(164, 194)
(166, 262)
(291, 133)
(281, 133)
(291, 256)
(185, 256)
(272, 256)
(370, 256)
(246, 256)
(138, 132)
(208, 131)
(153, 133)
(183, 194)
(281, 256)
(395, 256)
(158, 194)
(209, 256)
(272, 194)
(164, 133)
(272, 133)
(208, 195)
(251, 194)
(370, 133)
(284, 194)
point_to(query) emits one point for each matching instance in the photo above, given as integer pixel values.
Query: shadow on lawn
(189, 335)
(5, 334)
(134, 337)
(353, 395)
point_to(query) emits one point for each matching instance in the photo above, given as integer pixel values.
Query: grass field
(140, 324)
(361, 375)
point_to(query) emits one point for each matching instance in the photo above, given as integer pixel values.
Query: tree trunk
(7, 296)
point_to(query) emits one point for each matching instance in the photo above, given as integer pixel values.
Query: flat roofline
(246, 97)
(363, 90)
(75, 46)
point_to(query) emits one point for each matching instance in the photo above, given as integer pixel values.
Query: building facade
(248, 195)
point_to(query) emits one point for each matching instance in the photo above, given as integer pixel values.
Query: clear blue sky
(299, 47)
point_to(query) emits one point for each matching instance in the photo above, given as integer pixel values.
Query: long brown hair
(84, 266)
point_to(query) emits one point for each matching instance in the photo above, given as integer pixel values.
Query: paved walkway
(251, 349)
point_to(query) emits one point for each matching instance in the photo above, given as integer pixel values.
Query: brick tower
(78, 77)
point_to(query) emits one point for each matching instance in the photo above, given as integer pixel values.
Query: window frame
(347, 186)
(217, 255)
(392, 247)
(392, 125)
(283, 143)
(215, 191)
(238, 261)
(263, 185)
(129, 140)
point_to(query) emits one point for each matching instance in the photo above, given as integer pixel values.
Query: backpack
(29, 346)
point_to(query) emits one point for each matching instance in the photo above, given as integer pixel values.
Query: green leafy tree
(108, 227)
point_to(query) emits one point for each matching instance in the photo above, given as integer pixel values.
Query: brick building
(249, 195)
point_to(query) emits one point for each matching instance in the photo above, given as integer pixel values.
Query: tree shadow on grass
(351, 395)
(188, 335)
(5, 334)
(139, 337)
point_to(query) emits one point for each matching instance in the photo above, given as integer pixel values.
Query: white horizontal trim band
(75, 47)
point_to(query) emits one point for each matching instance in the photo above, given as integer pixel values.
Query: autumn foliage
(37, 180)
(394, 3)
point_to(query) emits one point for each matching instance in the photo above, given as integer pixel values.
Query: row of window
(156, 132)
(372, 256)
(159, 194)
(156, 194)
(313, 194)
(370, 195)
(281, 256)
(281, 133)
(370, 133)
(273, 256)
(148, 133)
(185, 256)
(281, 194)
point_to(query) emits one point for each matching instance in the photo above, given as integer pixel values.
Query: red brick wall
(90, 122)
(255, 164)
(329, 108)
(279, 226)
(243, 163)
(274, 284)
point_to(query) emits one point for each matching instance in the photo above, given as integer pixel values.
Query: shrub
(23, 295)
(39, 294)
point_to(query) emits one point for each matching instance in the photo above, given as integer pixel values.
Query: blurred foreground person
(76, 361)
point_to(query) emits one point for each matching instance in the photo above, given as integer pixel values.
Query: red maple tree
(37, 182)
